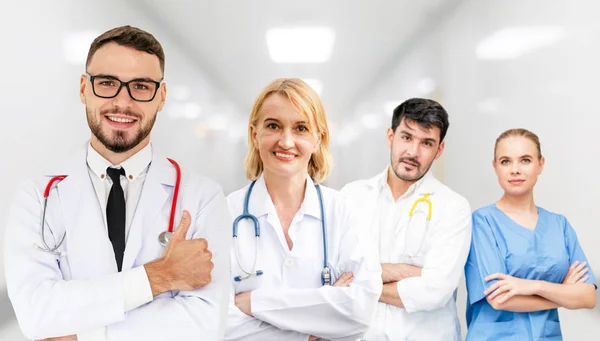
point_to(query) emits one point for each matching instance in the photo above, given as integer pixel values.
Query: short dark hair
(131, 37)
(425, 112)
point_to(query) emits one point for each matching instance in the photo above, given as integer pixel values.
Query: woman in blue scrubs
(524, 262)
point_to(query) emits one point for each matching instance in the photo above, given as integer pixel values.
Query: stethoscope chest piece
(164, 238)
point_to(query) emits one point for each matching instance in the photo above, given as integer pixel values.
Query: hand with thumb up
(184, 265)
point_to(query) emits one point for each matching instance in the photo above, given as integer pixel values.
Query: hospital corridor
(449, 112)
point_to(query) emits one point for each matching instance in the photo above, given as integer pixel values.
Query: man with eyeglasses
(110, 278)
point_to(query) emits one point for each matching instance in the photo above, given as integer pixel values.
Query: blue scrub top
(501, 245)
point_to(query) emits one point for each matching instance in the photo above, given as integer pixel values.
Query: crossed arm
(510, 293)
(430, 287)
(522, 295)
(391, 274)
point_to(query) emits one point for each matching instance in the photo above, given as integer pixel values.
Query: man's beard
(118, 142)
(418, 176)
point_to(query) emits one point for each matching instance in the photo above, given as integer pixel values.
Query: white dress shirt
(136, 285)
(135, 168)
(429, 312)
(288, 301)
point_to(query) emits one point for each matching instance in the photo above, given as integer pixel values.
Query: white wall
(550, 90)
(43, 118)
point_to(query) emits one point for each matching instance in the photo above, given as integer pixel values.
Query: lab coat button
(289, 262)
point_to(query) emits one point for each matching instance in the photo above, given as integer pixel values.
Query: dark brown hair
(131, 37)
(426, 113)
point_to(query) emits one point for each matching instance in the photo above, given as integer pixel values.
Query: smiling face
(284, 138)
(121, 123)
(413, 149)
(517, 164)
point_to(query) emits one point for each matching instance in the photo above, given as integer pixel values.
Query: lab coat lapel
(158, 187)
(369, 200)
(366, 203)
(261, 205)
(428, 186)
(89, 249)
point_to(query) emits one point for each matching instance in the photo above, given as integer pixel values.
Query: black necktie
(115, 214)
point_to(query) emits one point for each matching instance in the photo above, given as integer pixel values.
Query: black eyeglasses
(141, 89)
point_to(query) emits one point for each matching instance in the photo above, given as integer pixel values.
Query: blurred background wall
(493, 64)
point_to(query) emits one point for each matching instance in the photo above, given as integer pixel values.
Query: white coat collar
(260, 203)
(134, 166)
(78, 161)
(83, 217)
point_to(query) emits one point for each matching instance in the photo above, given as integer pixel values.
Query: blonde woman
(298, 269)
(525, 262)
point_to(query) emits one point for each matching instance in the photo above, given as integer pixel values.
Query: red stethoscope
(163, 237)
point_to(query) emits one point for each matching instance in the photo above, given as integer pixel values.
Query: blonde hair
(520, 132)
(307, 102)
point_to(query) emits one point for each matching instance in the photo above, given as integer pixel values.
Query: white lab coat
(429, 300)
(288, 300)
(82, 291)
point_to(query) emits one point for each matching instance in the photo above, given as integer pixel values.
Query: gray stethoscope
(325, 274)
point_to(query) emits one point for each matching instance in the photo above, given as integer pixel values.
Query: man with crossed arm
(420, 228)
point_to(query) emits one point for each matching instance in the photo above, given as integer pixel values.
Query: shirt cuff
(403, 287)
(94, 335)
(137, 288)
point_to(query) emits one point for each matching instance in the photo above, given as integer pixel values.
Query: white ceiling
(227, 39)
